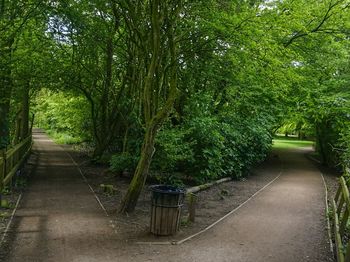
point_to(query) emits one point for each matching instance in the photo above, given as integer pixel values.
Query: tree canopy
(179, 90)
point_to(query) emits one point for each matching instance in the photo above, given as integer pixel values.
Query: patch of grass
(291, 143)
(63, 138)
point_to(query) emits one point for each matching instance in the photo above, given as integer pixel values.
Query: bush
(64, 138)
(207, 144)
(172, 151)
(123, 161)
(344, 144)
(226, 146)
(64, 116)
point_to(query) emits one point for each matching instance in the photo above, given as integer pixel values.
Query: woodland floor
(59, 220)
(212, 204)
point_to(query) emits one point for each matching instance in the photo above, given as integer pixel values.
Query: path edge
(327, 216)
(87, 183)
(329, 231)
(10, 221)
(179, 242)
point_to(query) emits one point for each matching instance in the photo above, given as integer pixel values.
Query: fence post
(192, 207)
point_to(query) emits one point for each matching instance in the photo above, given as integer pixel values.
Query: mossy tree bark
(22, 118)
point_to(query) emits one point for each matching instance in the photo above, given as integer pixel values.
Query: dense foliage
(65, 116)
(184, 90)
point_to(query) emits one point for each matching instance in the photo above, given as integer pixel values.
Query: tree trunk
(18, 128)
(100, 148)
(4, 125)
(106, 126)
(25, 112)
(160, 78)
(5, 91)
(321, 144)
(130, 199)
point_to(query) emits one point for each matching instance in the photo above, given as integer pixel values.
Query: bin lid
(167, 189)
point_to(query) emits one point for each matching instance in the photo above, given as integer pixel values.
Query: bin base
(165, 221)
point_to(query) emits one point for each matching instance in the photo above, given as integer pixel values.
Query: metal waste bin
(167, 202)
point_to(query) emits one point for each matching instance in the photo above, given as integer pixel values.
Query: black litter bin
(167, 202)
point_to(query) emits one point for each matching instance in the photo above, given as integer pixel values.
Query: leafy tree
(16, 20)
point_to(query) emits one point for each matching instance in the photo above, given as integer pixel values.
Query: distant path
(59, 220)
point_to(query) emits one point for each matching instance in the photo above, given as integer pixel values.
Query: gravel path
(59, 220)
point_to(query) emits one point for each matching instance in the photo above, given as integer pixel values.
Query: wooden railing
(341, 213)
(12, 159)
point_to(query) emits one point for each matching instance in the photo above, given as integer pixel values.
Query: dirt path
(285, 223)
(59, 220)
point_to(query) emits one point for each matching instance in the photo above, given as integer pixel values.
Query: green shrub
(123, 161)
(64, 138)
(207, 145)
(168, 178)
(226, 146)
(344, 145)
(65, 116)
(172, 151)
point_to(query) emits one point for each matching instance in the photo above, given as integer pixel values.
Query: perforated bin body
(167, 202)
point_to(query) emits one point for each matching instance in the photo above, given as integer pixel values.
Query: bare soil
(212, 203)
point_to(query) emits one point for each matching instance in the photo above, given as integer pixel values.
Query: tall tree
(157, 37)
(14, 16)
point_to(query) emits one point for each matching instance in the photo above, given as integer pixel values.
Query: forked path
(59, 220)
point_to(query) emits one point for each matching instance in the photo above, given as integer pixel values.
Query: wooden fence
(12, 159)
(341, 213)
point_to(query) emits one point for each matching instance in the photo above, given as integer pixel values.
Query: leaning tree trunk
(141, 173)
